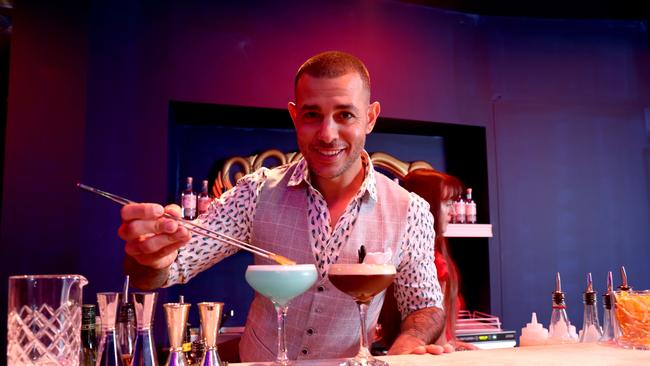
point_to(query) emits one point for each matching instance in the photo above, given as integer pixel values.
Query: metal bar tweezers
(199, 229)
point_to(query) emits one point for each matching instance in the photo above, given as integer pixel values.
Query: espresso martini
(361, 281)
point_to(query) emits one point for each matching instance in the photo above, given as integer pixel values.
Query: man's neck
(343, 187)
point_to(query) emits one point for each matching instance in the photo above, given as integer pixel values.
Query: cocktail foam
(362, 269)
(281, 267)
(378, 257)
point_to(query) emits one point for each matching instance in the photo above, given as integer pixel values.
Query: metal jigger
(109, 353)
(176, 315)
(210, 313)
(144, 350)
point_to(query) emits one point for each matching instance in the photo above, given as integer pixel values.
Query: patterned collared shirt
(232, 214)
(326, 241)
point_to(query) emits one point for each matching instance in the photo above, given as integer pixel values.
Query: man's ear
(373, 113)
(293, 111)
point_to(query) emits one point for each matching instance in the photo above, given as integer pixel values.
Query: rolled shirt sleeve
(416, 282)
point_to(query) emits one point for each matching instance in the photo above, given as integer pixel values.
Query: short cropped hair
(332, 64)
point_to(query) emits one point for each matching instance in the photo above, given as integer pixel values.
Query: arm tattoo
(425, 324)
(418, 329)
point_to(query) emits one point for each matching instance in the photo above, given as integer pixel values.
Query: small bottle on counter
(88, 355)
(559, 328)
(188, 201)
(591, 331)
(197, 347)
(533, 334)
(459, 211)
(470, 208)
(204, 198)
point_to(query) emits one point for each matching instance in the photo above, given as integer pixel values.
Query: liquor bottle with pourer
(591, 331)
(558, 329)
(610, 326)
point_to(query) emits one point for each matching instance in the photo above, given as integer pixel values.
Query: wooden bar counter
(582, 354)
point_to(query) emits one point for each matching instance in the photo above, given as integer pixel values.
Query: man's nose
(328, 131)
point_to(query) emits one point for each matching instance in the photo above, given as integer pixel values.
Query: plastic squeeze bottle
(533, 334)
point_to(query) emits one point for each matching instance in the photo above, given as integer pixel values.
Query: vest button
(304, 351)
(310, 331)
(321, 288)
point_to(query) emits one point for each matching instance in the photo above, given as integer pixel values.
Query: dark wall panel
(565, 212)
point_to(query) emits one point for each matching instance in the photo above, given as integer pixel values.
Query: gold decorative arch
(223, 181)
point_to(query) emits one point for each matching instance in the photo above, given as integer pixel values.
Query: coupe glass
(362, 282)
(280, 284)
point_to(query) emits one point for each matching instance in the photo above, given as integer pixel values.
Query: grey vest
(323, 322)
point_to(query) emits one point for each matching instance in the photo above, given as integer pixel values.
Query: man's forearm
(143, 277)
(419, 328)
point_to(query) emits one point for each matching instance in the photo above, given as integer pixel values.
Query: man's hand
(433, 349)
(152, 241)
(446, 347)
(418, 330)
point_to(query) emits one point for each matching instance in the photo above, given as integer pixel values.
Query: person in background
(439, 190)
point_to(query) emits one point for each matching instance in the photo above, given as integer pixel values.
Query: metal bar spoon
(199, 229)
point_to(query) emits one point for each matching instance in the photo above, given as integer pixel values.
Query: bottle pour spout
(624, 285)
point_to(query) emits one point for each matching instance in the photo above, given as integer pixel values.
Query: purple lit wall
(563, 103)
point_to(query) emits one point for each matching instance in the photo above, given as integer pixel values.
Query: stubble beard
(355, 154)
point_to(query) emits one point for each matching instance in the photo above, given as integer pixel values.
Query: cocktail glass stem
(364, 358)
(364, 353)
(282, 358)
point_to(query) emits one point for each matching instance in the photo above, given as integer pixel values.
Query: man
(318, 210)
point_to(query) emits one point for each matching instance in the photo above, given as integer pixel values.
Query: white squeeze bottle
(533, 334)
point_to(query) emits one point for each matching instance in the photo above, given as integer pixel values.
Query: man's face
(332, 117)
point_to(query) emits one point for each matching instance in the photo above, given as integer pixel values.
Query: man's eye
(346, 115)
(310, 115)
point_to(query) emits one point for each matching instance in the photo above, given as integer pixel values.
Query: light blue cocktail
(280, 284)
